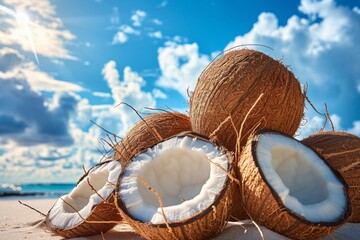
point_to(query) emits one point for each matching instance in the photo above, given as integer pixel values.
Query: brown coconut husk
(149, 131)
(342, 151)
(103, 217)
(265, 207)
(230, 85)
(203, 225)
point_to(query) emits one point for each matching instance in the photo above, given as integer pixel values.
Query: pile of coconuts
(175, 176)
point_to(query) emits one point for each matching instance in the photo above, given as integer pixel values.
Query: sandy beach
(20, 222)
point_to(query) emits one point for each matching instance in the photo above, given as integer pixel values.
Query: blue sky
(95, 54)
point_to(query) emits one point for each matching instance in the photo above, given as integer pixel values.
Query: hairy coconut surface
(153, 129)
(230, 86)
(289, 188)
(180, 188)
(342, 151)
(87, 208)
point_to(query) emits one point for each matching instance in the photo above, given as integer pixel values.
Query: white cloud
(11, 66)
(357, 10)
(120, 38)
(46, 29)
(180, 66)
(138, 17)
(129, 30)
(356, 128)
(319, 47)
(122, 35)
(156, 34)
(41, 81)
(314, 124)
(157, 93)
(156, 21)
(128, 89)
(101, 94)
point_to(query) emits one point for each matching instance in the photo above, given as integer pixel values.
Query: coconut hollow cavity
(300, 179)
(91, 200)
(179, 188)
(180, 171)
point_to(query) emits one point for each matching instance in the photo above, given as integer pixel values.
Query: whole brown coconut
(230, 86)
(342, 151)
(288, 187)
(149, 131)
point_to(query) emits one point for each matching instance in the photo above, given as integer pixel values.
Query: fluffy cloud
(180, 65)
(45, 28)
(316, 123)
(29, 118)
(320, 49)
(122, 35)
(128, 89)
(156, 34)
(157, 93)
(156, 21)
(119, 38)
(356, 128)
(138, 17)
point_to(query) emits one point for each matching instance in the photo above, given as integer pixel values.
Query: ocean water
(42, 190)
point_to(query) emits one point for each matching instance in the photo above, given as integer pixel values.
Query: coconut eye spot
(300, 178)
(177, 175)
(80, 196)
(298, 174)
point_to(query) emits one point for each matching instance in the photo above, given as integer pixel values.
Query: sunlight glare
(22, 18)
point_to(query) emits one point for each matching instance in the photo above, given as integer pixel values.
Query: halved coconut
(342, 151)
(180, 188)
(289, 188)
(151, 130)
(232, 84)
(89, 206)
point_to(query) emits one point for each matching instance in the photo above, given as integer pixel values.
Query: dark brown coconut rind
(231, 85)
(265, 206)
(238, 211)
(342, 151)
(203, 225)
(102, 212)
(153, 129)
(105, 211)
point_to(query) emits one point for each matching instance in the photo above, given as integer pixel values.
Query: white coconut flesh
(82, 199)
(180, 172)
(304, 183)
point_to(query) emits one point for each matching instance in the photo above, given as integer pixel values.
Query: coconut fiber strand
(342, 151)
(229, 87)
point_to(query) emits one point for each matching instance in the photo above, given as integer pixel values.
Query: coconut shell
(265, 207)
(230, 86)
(342, 151)
(103, 212)
(153, 129)
(203, 225)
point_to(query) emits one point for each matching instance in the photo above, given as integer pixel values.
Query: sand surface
(18, 222)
